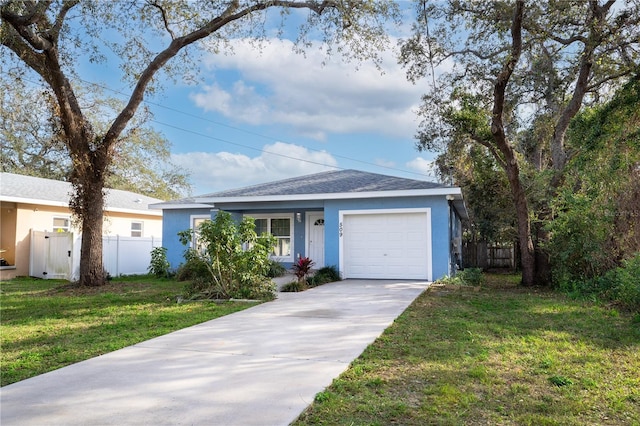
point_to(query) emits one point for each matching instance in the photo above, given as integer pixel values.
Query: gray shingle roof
(14, 187)
(332, 182)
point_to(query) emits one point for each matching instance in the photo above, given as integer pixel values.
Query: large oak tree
(32, 141)
(153, 39)
(518, 72)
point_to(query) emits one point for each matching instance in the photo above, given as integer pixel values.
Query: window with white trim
(61, 224)
(136, 229)
(196, 221)
(281, 227)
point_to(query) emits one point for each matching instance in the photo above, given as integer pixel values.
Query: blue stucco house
(368, 225)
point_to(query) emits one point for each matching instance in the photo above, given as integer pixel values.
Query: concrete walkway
(261, 366)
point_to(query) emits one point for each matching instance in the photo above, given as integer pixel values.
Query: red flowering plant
(302, 267)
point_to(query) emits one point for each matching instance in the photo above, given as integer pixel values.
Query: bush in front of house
(294, 287)
(276, 269)
(466, 277)
(233, 262)
(324, 275)
(471, 276)
(302, 268)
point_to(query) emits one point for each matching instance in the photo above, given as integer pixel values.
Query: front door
(315, 238)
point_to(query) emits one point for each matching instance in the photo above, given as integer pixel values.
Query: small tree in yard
(235, 258)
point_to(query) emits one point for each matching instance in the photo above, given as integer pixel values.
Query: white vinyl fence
(127, 255)
(57, 255)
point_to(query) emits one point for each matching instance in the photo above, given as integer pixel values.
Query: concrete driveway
(261, 366)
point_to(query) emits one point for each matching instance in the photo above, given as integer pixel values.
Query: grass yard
(503, 355)
(47, 324)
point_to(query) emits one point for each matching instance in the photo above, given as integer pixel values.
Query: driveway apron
(261, 366)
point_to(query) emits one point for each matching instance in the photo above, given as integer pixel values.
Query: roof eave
(148, 211)
(66, 205)
(176, 206)
(456, 192)
(10, 199)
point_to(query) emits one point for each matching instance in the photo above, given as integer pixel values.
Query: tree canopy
(32, 142)
(512, 75)
(154, 41)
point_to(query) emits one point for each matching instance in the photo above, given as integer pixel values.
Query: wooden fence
(486, 255)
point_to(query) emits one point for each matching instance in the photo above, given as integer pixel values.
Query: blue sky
(269, 114)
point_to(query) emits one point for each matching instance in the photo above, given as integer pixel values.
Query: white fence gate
(57, 255)
(51, 255)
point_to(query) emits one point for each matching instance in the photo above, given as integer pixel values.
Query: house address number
(340, 229)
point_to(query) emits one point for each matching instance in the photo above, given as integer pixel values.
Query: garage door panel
(392, 245)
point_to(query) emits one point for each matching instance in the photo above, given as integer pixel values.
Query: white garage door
(386, 245)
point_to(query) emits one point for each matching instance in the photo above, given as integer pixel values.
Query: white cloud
(216, 171)
(423, 166)
(278, 86)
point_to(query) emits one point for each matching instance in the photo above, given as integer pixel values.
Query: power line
(261, 150)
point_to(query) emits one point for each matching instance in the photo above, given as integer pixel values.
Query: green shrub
(626, 289)
(193, 268)
(450, 280)
(294, 287)
(471, 276)
(468, 276)
(327, 274)
(159, 265)
(620, 285)
(233, 263)
(276, 269)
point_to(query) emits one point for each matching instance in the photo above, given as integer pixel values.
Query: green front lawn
(499, 356)
(47, 324)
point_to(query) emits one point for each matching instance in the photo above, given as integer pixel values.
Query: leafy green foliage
(159, 265)
(276, 269)
(326, 274)
(620, 285)
(234, 262)
(596, 222)
(294, 286)
(468, 276)
(471, 276)
(34, 144)
(517, 83)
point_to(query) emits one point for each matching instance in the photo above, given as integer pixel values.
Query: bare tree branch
(164, 18)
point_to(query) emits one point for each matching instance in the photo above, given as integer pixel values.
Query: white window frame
(61, 228)
(269, 217)
(192, 226)
(141, 230)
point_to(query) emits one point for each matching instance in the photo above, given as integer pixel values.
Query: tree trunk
(91, 267)
(527, 257)
(509, 160)
(543, 262)
(90, 199)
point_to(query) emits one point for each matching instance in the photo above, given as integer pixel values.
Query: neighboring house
(367, 225)
(35, 211)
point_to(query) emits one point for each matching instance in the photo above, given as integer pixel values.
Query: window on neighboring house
(280, 227)
(61, 224)
(196, 221)
(136, 229)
